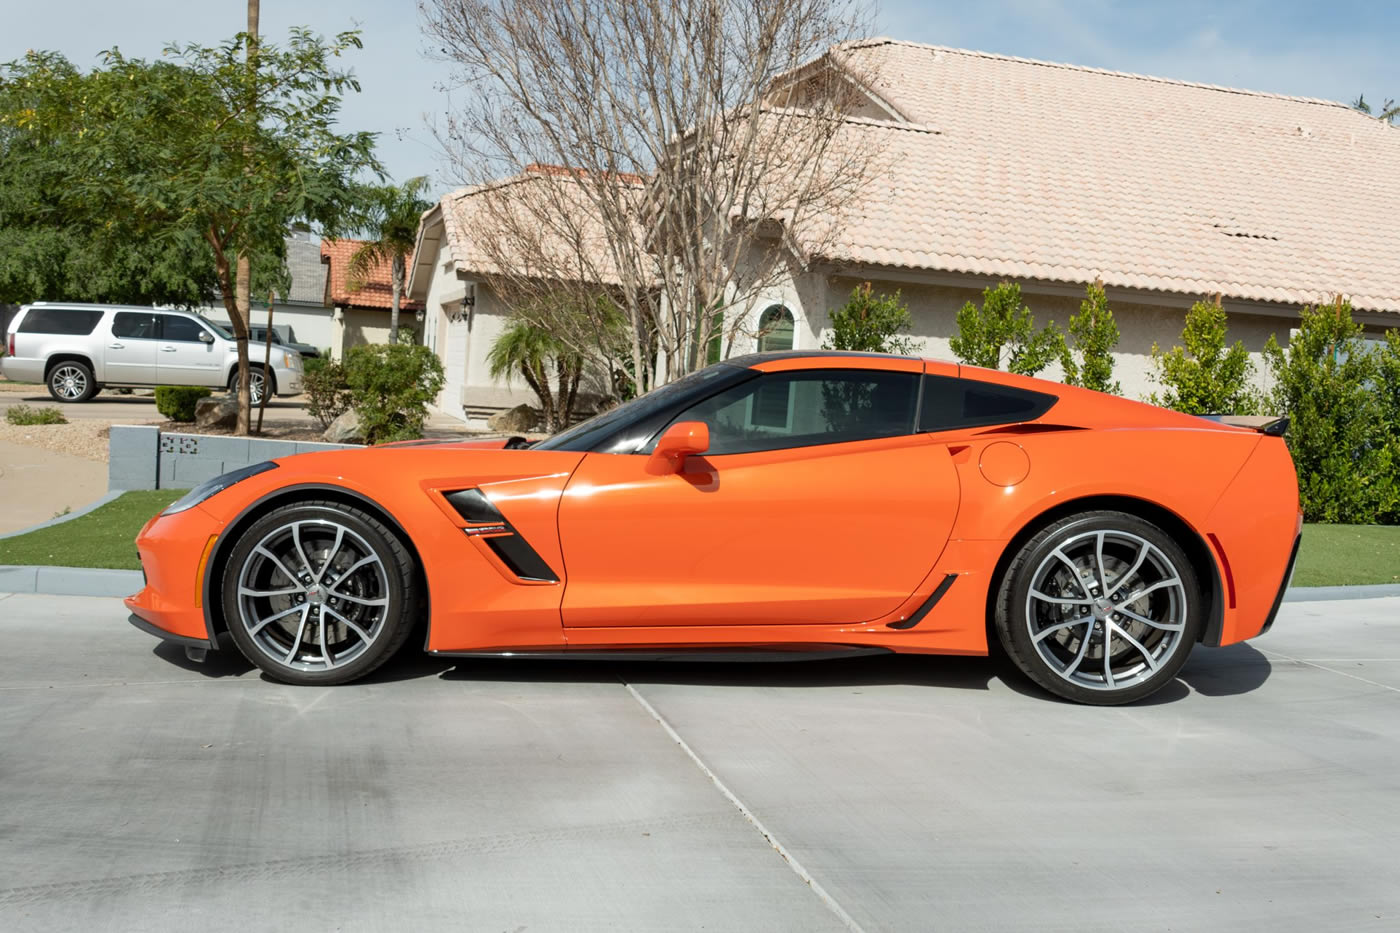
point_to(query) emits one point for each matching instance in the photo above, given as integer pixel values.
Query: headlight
(216, 485)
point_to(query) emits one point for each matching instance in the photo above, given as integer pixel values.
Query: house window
(775, 329)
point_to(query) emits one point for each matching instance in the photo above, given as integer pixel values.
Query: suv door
(815, 503)
(130, 354)
(184, 359)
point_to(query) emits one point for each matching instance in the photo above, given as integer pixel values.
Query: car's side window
(135, 325)
(951, 403)
(806, 408)
(180, 329)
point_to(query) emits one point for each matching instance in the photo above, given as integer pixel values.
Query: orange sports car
(794, 504)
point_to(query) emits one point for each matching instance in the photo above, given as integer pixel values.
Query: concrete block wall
(144, 458)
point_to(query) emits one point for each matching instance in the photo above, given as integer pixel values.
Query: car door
(130, 355)
(815, 503)
(186, 354)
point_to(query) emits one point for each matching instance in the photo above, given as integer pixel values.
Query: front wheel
(319, 593)
(1100, 608)
(257, 384)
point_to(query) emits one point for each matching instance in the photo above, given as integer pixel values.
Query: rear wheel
(1100, 608)
(71, 381)
(319, 593)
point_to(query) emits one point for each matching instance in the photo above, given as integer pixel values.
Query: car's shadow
(1213, 672)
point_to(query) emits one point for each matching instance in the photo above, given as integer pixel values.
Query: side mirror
(206, 337)
(679, 441)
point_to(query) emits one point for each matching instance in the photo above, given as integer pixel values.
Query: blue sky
(1332, 50)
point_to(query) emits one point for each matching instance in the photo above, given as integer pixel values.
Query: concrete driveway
(140, 792)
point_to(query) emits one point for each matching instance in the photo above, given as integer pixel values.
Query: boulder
(515, 420)
(216, 411)
(345, 430)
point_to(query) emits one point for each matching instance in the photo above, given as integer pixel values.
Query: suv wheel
(257, 381)
(71, 381)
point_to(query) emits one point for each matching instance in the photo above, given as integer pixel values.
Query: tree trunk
(267, 362)
(240, 316)
(394, 306)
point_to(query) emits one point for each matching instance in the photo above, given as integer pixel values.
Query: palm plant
(532, 352)
(1389, 109)
(393, 214)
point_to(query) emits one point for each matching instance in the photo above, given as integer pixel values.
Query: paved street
(137, 408)
(140, 792)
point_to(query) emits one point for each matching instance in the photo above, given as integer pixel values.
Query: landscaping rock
(217, 411)
(516, 420)
(345, 430)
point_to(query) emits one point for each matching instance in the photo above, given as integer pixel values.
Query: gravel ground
(86, 439)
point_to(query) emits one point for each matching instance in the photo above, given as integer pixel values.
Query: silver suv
(76, 349)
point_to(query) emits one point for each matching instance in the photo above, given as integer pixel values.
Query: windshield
(217, 328)
(587, 434)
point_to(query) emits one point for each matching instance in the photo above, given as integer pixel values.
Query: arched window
(775, 329)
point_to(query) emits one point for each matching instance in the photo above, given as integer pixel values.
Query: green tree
(1004, 325)
(1204, 377)
(1326, 382)
(394, 211)
(1093, 333)
(1389, 109)
(532, 352)
(49, 252)
(871, 323)
(200, 145)
(1388, 390)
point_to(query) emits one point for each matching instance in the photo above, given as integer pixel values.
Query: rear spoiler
(1264, 424)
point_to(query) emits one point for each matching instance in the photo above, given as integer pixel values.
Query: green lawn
(1337, 555)
(1332, 555)
(105, 537)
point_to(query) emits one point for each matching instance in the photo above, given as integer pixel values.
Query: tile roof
(376, 293)
(1066, 173)
(549, 227)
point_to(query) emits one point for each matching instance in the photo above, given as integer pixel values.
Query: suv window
(180, 328)
(806, 408)
(73, 322)
(135, 325)
(965, 403)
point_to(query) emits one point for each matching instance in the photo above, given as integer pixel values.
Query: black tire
(1052, 618)
(71, 381)
(334, 603)
(253, 372)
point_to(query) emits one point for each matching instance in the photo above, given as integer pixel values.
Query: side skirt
(754, 653)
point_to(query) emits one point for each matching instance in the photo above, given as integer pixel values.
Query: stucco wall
(310, 325)
(934, 308)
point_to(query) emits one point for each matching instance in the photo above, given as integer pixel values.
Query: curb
(70, 581)
(1308, 594)
(76, 513)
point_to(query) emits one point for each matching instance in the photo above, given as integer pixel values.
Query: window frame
(155, 315)
(179, 317)
(793, 376)
(792, 332)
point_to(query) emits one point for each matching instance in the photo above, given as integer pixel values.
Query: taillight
(11, 349)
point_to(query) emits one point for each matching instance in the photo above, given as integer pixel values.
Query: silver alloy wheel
(69, 383)
(256, 381)
(313, 595)
(1106, 610)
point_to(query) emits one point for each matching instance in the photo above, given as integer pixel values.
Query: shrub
(1004, 324)
(1326, 381)
(870, 322)
(327, 394)
(1094, 334)
(178, 402)
(390, 388)
(24, 415)
(1203, 377)
(313, 364)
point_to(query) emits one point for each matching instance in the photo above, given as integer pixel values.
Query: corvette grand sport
(792, 504)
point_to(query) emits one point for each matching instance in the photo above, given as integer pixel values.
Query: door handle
(167, 349)
(116, 346)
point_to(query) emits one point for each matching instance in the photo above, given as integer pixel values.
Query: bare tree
(681, 155)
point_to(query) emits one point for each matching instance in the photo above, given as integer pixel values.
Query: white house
(996, 168)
